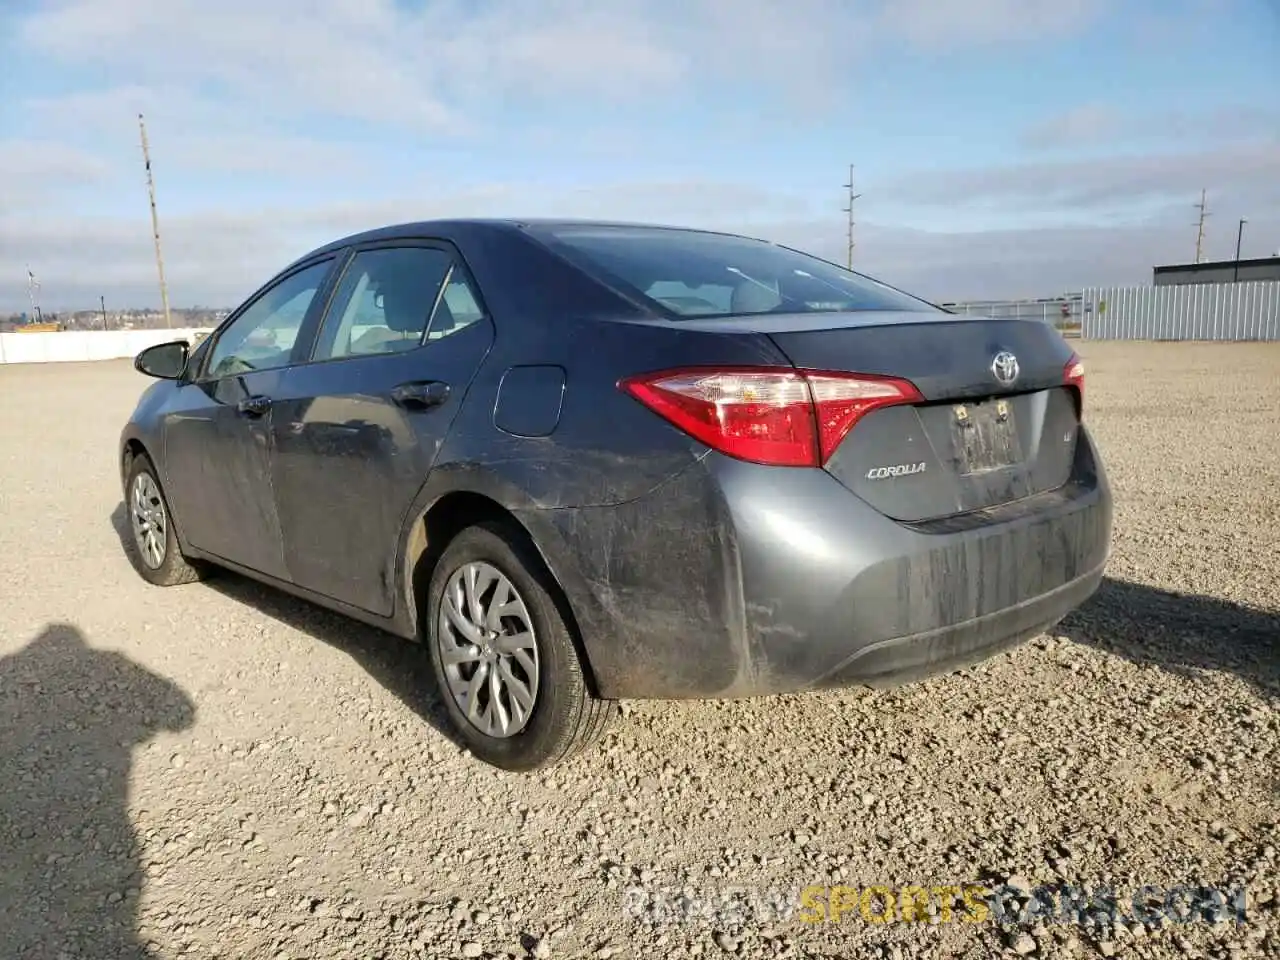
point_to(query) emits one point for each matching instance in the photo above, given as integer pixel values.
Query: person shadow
(70, 870)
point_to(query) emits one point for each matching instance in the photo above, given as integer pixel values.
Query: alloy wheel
(489, 650)
(149, 521)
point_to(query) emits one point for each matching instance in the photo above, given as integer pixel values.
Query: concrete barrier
(81, 345)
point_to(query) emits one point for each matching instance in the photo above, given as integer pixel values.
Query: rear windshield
(695, 274)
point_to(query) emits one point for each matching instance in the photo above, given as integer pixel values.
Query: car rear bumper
(918, 656)
(735, 580)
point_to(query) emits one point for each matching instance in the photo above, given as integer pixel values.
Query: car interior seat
(752, 297)
(406, 300)
(404, 307)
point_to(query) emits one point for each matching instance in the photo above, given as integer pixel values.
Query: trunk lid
(976, 441)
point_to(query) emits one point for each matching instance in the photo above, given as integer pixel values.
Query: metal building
(1219, 271)
(1192, 311)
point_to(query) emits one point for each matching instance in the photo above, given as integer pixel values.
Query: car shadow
(403, 668)
(70, 718)
(1182, 633)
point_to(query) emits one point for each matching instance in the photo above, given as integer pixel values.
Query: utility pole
(1204, 212)
(32, 286)
(849, 211)
(102, 299)
(155, 222)
(1235, 275)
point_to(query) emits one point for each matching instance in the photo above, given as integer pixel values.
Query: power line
(1203, 207)
(849, 211)
(155, 222)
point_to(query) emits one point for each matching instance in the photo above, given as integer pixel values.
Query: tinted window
(457, 308)
(262, 337)
(708, 275)
(390, 297)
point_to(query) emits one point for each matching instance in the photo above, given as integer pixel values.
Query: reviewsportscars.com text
(971, 903)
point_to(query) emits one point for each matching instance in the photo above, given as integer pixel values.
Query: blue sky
(1003, 147)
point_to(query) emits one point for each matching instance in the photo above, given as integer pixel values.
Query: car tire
(565, 717)
(158, 558)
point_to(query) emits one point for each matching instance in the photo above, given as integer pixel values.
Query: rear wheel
(505, 661)
(151, 543)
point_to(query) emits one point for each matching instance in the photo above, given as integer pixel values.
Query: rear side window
(457, 307)
(693, 274)
(391, 299)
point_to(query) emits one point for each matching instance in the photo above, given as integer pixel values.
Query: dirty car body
(746, 471)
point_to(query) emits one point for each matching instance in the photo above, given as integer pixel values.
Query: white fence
(1205, 311)
(79, 345)
(1202, 311)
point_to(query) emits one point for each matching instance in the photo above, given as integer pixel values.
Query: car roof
(448, 229)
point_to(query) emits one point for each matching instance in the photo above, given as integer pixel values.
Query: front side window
(695, 274)
(391, 298)
(262, 337)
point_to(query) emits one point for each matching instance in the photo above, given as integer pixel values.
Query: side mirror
(167, 361)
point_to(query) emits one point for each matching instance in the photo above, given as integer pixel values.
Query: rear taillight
(1073, 376)
(772, 415)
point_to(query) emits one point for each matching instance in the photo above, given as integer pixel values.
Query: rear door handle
(254, 406)
(420, 394)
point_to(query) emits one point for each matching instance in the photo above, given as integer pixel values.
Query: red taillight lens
(772, 415)
(841, 400)
(1073, 376)
(760, 414)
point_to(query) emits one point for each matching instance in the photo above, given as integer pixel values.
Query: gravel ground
(219, 770)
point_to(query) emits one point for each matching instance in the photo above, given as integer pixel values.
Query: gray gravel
(219, 771)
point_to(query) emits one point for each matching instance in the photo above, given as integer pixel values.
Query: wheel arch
(133, 445)
(449, 505)
(130, 449)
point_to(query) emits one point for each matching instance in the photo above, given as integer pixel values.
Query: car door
(358, 427)
(218, 436)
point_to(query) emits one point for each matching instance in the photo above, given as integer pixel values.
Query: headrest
(406, 299)
(751, 297)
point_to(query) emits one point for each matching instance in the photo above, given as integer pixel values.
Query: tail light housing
(778, 416)
(1073, 376)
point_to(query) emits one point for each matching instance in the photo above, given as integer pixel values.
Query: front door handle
(420, 394)
(254, 406)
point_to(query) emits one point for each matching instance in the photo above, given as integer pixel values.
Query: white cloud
(380, 61)
(252, 87)
(1246, 173)
(1096, 126)
(937, 23)
(1083, 126)
(31, 170)
(276, 73)
(217, 258)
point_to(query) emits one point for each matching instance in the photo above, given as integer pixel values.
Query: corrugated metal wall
(1205, 311)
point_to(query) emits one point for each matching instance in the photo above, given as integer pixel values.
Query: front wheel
(505, 661)
(151, 542)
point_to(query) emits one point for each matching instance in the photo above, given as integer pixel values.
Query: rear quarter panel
(615, 498)
(605, 448)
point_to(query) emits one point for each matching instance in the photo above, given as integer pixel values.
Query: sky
(1003, 148)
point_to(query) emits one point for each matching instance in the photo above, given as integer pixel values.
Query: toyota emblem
(1005, 367)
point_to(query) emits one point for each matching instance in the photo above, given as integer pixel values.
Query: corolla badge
(1005, 367)
(898, 470)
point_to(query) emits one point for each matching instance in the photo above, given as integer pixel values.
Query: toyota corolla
(584, 462)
